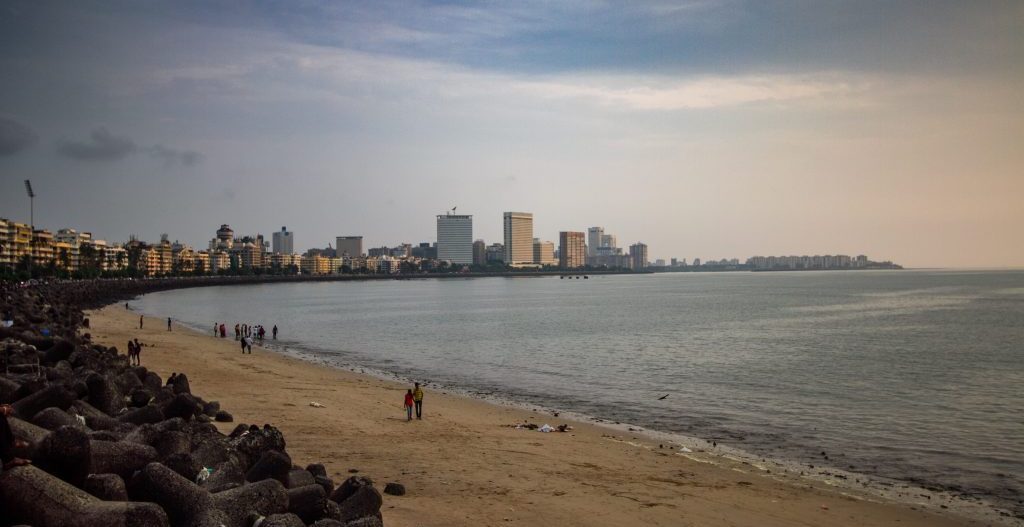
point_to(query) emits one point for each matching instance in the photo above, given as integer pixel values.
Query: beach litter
(315, 404)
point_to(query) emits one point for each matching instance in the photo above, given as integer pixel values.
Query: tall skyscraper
(572, 250)
(594, 235)
(518, 238)
(543, 252)
(283, 242)
(455, 238)
(351, 246)
(479, 252)
(638, 255)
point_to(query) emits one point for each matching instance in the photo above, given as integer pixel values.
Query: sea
(911, 375)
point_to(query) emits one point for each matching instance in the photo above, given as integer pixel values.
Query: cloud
(171, 156)
(14, 137)
(102, 145)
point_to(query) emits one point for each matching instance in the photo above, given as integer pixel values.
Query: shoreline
(616, 444)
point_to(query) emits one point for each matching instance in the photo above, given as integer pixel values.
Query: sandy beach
(464, 465)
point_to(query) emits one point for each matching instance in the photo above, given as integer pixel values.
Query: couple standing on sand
(414, 398)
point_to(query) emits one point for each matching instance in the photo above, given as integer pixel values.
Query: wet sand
(464, 465)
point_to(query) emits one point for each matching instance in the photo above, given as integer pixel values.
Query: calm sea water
(914, 375)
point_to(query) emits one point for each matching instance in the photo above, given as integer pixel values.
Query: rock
(53, 418)
(107, 487)
(30, 496)
(139, 397)
(122, 458)
(180, 384)
(255, 441)
(66, 453)
(327, 522)
(282, 520)
(317, 469)
(170, 443)
(223, 417)
(184, 406)
(184, 464)
(308, 503)
(394, 489)
(212, 452)
(264, 498)
(127, 381)
(60, 350)
(325, 482)
(146, 414)
(184, 502)
(272, 464)
(298, 478)
(103, 395)
(226, 476)
(211, 408)
(366, 521)
(152, 382)
(333, 510)
(7, 390)
(54, 395)
(361, 500)
(349, 487)
(94, 418)
(32, 434)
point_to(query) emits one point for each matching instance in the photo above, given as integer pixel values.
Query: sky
(704, 128)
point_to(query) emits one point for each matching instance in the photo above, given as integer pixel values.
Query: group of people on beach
(414, 398)
(245, 334)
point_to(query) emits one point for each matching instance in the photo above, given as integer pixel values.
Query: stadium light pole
(32, 225)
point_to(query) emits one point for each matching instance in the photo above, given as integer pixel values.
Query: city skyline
(708, 128)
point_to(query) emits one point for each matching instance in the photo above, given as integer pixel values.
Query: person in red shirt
(408, 405)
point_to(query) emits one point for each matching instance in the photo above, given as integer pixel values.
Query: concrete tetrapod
(29, 495)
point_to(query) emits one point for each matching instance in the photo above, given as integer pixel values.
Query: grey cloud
(101, 146)
(105, 146)
(14, 137)
(171, 156)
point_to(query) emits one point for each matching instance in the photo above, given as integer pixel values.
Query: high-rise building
(479, 252)
(572, 250)
(495, 253)
(638, 255)
(518, 238)
(455, 238)
(544, 252)
(609, 242)
(283, 242)
(594, 235)
(351, 246)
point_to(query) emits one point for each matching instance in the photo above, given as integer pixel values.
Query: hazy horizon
(706, 129)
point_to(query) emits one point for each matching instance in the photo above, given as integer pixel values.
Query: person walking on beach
(168, 323)
(215, 327)
(238, 332)
(138, 353)
(131, 352)
(417, 397)
(275, 331)
(140, 321)
(223, 331)
(408, 405)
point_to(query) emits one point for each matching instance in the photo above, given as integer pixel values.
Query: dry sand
(463, 464)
